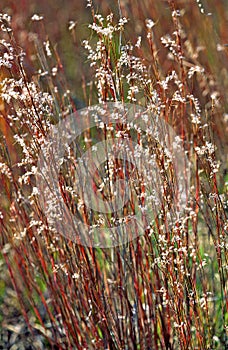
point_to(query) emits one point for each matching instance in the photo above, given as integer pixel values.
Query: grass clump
(165, 288)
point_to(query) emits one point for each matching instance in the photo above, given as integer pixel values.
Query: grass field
(113, 226)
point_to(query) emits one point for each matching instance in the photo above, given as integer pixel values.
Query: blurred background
(209, 33)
